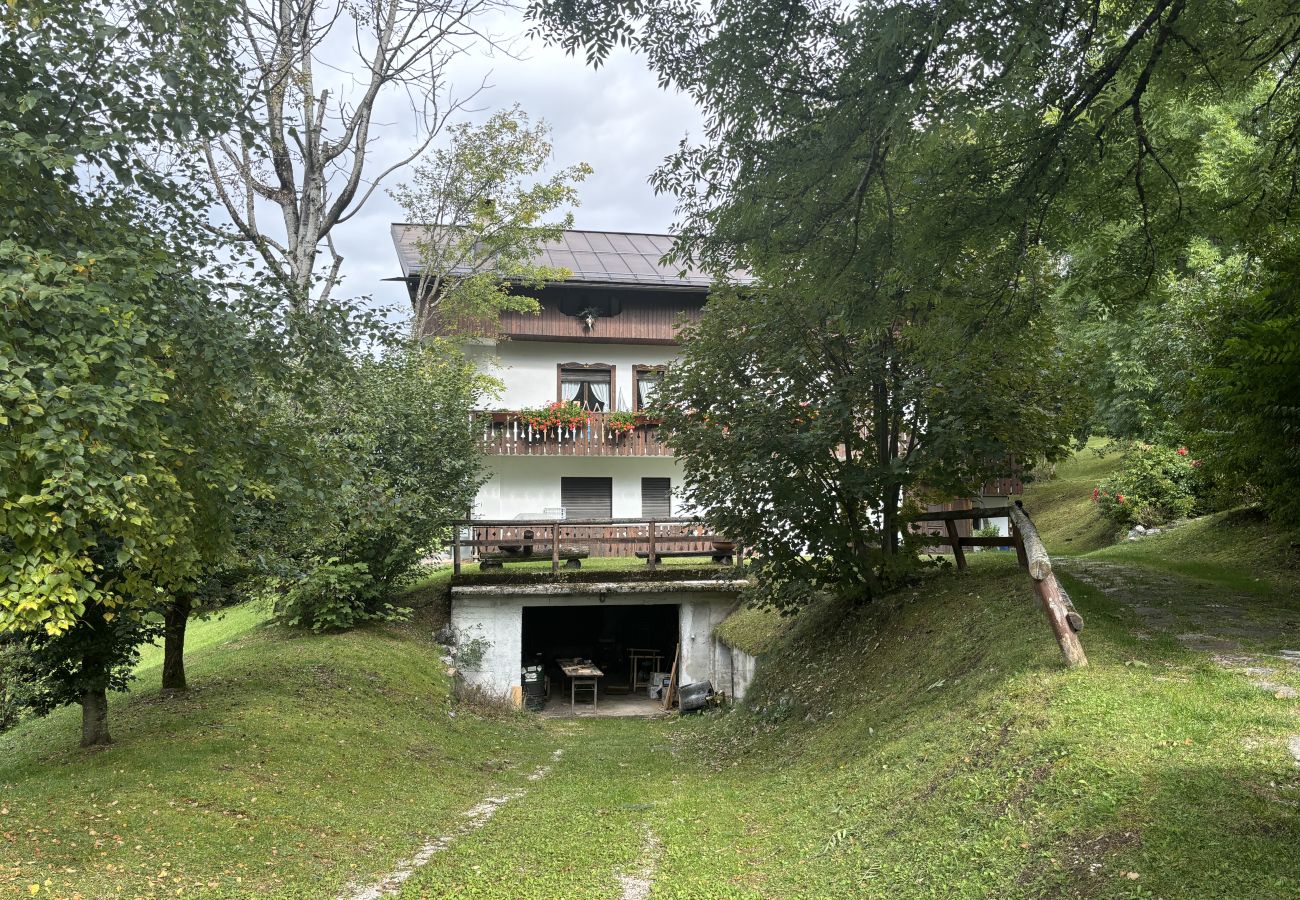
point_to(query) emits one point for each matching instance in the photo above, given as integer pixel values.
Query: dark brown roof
(594, 257)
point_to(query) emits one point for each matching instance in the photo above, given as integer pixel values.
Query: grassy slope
(295, 765)
(930, 745)
(1061, 505)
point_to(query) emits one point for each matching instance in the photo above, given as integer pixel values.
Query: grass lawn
(928, 744)
(294, 765)
(1061, 505)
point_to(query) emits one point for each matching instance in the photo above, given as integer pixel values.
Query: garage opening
(601, 659)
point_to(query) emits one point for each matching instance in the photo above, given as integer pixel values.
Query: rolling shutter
(587, 498)
(656, 498)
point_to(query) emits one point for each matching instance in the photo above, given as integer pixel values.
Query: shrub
(1155, 485)
(560, 414)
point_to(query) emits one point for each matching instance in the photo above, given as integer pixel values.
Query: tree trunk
(94, 718)
(175, 619)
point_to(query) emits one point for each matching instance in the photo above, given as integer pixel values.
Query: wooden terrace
(504, 434)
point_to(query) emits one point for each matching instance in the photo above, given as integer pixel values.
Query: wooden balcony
(502, 434)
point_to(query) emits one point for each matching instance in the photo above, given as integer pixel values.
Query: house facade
(601, 342)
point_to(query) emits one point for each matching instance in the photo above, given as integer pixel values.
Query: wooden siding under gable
(644, 316)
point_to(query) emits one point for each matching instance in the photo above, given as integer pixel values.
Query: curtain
(571, 390)
(646, 387)
(600, 394)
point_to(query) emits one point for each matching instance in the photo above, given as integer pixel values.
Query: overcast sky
(615, 118)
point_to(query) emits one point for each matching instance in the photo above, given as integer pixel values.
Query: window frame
(637, 373)
(610, 367)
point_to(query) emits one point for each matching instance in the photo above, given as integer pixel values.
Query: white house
(601, 340)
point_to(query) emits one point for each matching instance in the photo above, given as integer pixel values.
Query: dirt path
(1247, 634)
(475, 818)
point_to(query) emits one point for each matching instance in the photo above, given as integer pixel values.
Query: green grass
(931, 744)
(928, 744)
(1061, 504)
(294, 765)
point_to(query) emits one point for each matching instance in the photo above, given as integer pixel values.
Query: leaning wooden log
(1061, 615)
(1040, 564)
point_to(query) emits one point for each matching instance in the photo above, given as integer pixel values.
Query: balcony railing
(494, 542)
(504, 434)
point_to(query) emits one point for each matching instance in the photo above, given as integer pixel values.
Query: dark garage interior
(609, 636)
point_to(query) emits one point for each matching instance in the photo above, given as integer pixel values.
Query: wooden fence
(652, 538)
(1061, 615)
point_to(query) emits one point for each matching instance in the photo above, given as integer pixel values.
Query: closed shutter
(587, 498)
(656, 498)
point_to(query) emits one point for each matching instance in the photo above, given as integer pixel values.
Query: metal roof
(594, 257)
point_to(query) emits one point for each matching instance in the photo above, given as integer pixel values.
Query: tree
(128, 350)
(807, 423)
(309, 154)
(402, 437)
(482, 219)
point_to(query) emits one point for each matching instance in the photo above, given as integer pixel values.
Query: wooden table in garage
(581, 675)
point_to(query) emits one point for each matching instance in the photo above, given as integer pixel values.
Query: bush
(402, 439)
(1155, 485)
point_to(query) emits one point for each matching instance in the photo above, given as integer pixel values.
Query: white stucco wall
(499, 618)
(526, 485)
(527, 368)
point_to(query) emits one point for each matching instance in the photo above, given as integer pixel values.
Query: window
(588, 385)
(646, 381)
(587, 498)
(656, 498)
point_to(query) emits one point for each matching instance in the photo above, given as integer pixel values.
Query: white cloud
(615, 118)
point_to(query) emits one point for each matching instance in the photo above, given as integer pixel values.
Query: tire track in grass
(476, 817)
(636, 885)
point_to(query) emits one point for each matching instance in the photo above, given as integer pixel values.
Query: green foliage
(99, 653)
(802, 419)
(400, 444)
(1154, 485)
(485, 221)
(1247, 406)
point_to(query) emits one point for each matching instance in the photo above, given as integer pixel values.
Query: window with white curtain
(588, 387)
(647, 385)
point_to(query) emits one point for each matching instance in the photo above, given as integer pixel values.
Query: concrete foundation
(493, 614)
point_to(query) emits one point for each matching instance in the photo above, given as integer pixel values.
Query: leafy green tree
(806, 422)
(401, 437)
(1245, 409)
(128, 363)
(482, 211)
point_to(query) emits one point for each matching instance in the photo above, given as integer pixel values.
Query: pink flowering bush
(1155, 485)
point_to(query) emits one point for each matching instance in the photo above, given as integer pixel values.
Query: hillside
(295, 765)
(928, 744)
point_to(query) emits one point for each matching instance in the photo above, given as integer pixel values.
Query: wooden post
(1061, 615)
(555, 547)
(650, 556)
(455, 549)
(955, 538)
(672, 679)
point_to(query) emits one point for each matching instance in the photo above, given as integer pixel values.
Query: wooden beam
(650, 559)
(1039, 563)
(555, 547)
(1065, 621)
(954, 540)
(455, 550)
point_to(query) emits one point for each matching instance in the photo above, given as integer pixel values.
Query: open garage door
(626, 643)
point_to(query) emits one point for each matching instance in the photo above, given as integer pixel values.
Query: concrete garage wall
(496, 615)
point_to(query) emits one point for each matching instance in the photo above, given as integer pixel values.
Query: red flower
(1096, 492)
(1119, 497)
(1182, 451)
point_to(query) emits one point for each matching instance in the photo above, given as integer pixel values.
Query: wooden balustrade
(599, 537)
(504, 434)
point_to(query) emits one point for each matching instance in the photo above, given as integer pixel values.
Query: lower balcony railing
(495, 542)
(504, 434)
